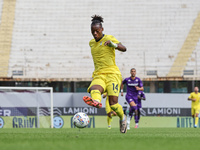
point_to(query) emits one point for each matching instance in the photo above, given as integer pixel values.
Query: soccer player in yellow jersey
(110, 113)
(195, 97)
(106, 76)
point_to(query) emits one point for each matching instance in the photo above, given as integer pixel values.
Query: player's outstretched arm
(119, 46)
(190, 99)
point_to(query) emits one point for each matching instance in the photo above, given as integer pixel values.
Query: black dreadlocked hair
(96, 19)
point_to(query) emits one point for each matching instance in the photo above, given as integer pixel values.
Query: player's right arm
(122, 86)
(190, 98)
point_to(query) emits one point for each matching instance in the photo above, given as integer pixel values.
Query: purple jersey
(142, 95)
(130, 84)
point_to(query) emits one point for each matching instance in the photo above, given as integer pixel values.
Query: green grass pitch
(100, 139)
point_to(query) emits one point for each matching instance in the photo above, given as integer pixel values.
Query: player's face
(196, 89)
(133, 73)
(97, 32)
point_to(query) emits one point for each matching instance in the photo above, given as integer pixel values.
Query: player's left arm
(113, 42)
(121, 47)
(140, 87)
(118, 46)
(143, 96)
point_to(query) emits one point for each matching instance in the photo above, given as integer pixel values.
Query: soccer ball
(81, 120)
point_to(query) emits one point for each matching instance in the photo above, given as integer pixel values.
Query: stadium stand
(194, 61)
(6, 27)
(49, 40)
(187, 49)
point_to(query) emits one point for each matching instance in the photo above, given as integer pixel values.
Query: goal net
(26, 107)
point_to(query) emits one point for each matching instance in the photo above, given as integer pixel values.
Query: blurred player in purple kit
(141, 96)
(134, 85)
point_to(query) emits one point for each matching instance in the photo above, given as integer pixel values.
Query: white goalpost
(13, 98)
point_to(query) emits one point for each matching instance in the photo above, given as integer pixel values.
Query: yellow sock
(196, 120)
(109, 120)
(118, 109)
(96, 95)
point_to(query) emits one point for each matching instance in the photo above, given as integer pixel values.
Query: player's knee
(97, 87)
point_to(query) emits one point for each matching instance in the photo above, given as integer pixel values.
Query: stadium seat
(48, 40)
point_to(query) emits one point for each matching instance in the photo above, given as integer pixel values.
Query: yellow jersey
(193, 95)
(104, 56)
